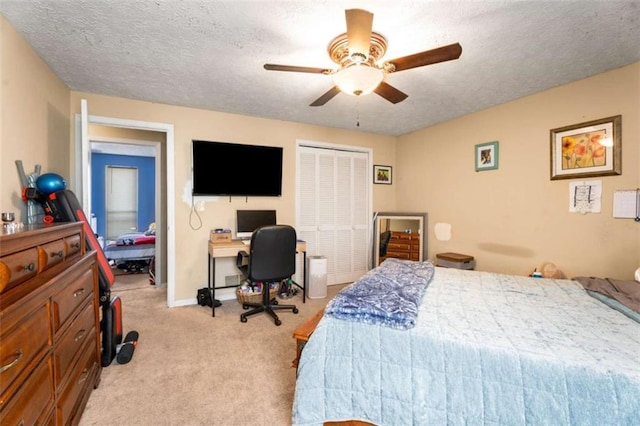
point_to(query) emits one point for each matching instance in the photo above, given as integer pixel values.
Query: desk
(231, 249)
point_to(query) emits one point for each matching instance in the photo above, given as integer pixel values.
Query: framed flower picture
(587, 149)
(487, 156)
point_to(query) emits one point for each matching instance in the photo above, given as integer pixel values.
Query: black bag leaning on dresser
(63, 206)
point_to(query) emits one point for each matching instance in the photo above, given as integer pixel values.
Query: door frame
(83, 184)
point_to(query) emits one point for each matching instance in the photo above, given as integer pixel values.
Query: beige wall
(34, 126)
(189, 123)
(514, 218)
(38, 126)
(510, 219)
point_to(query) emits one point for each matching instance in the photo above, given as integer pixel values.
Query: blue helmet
(50, 182)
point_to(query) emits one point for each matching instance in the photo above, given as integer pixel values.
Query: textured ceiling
(209, 54)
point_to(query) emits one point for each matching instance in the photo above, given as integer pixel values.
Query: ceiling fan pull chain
(358, 112)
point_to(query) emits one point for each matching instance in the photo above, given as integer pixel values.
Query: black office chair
(272, 258)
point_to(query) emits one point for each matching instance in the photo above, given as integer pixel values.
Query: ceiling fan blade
(390, 93)
(293, 68)
(359, 27)
(326, 97)
(441, 54)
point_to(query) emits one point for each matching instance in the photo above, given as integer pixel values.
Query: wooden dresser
(49, 325)
(403, 245)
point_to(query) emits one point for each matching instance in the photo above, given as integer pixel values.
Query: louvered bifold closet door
(333, 206)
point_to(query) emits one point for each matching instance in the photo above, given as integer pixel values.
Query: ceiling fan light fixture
(358, 80)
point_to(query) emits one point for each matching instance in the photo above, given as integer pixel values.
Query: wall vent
(233, 279)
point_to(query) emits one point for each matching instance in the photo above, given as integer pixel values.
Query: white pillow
(638, 274)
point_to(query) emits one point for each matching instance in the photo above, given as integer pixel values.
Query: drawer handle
(30, 267)
(57, 253)
(80, 335)
(78, 292)
(85, 374)
(12, 363)
(75, 245)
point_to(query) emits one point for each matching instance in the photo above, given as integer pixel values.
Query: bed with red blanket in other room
(132, 252)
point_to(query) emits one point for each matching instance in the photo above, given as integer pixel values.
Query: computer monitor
(248, 221)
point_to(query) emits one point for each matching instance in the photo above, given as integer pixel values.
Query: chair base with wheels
(268, 305)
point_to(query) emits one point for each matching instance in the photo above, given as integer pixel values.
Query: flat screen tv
(248, 221)
(256, 169)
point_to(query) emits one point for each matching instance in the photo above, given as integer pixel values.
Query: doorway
(165, 194)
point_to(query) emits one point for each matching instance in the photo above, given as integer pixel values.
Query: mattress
(487, 349)
(131, 246)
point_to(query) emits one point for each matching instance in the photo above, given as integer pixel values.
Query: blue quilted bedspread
(388, 295)
(486, 349)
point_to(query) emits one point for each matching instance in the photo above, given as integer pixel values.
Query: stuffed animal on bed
(550, 270)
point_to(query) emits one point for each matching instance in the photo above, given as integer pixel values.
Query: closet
(333, 208)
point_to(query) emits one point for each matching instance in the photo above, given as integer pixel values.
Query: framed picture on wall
(382, 174)
(587, 149)
(487, 156)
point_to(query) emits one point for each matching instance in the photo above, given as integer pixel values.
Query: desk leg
(211, 267)
(304, 277)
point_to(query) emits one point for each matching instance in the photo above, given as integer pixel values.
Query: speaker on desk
(316, 277)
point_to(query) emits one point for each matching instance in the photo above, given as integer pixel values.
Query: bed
(480, 348)
(132, 252)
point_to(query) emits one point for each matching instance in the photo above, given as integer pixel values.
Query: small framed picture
(487, 156)
(382, 174)
(589, 149)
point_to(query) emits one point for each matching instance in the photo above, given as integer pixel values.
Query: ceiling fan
(357, 53)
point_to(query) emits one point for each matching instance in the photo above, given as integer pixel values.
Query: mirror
(399, 235)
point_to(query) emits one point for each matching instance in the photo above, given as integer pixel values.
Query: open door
(85, 155)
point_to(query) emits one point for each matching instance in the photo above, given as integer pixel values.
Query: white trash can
(316, 277)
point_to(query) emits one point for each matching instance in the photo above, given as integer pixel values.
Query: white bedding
(486, 349)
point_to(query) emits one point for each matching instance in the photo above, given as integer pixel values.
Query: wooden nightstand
(302, 334)
(456, 260)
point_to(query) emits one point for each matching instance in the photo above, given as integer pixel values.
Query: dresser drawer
(50, 254)
(399, 255)
(398, 246)
(18, 267)
(68, 347)
(74, 293)
(400, 236)
(81, 377)
(32, 403)
(72, 245)
(26, 337)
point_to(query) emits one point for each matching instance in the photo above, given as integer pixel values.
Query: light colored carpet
(190, 368)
